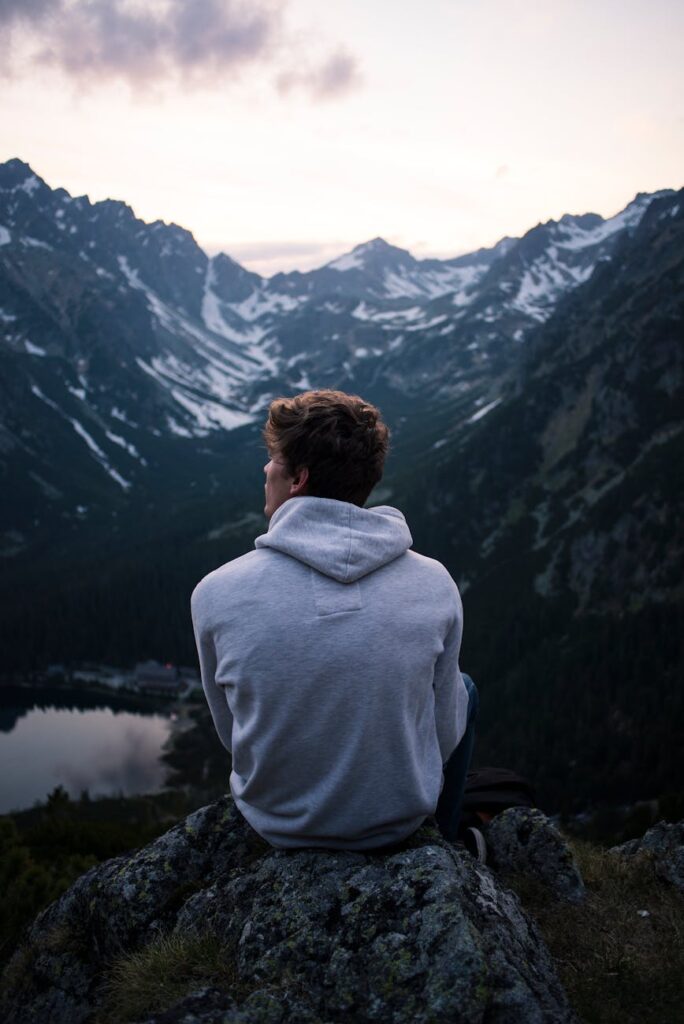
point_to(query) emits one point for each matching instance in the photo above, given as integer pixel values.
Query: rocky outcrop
(420, 932)
(522, 841)
(663, 845)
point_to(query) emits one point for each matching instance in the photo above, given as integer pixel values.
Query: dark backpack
(492, 790)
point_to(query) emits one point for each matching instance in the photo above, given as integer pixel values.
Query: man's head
(325, 444)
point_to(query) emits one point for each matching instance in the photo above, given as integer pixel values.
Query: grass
(152, 979)
(620, 955)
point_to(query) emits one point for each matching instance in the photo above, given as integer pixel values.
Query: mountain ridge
(99, 308)
(534, 396)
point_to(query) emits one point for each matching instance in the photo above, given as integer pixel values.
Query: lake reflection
(99, 749)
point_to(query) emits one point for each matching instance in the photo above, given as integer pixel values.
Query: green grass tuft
(156, 977)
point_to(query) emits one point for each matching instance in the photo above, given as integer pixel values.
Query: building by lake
(151, 678)
(164, 680)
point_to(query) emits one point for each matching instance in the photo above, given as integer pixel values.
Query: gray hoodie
(329, 658)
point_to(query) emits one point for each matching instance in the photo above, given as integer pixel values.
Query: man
(329, 654)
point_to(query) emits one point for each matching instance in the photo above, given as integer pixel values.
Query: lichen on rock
(419, 933)
(523, 841)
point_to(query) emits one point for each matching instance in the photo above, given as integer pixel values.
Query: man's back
(330, 661)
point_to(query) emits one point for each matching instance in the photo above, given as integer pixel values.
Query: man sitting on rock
(329, 655)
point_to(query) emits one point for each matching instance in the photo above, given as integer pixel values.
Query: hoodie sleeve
(451, 696)
(215, 694)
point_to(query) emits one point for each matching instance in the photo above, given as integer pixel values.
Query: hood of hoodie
(336, 538)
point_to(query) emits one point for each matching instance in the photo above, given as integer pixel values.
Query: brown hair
(339, 438)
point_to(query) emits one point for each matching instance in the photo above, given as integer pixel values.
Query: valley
(534, 392)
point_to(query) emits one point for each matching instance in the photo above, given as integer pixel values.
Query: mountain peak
(367, 254)
(373, 245)
(379, 247)
(15, 174)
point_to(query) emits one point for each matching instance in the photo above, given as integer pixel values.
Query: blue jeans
(448, 811)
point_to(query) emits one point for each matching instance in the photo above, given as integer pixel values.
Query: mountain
(534, 391)
(561, 511)
(129, 357)
(595, 398)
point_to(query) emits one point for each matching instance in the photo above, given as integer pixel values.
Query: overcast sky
(286, 131)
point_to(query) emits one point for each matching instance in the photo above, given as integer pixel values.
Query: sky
(284, 132)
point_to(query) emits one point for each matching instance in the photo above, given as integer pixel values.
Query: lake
(80, 740)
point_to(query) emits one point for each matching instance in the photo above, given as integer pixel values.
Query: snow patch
(5, 236)
(350, 261)
(176, 428)
(93, 446)
(258, 303)
(44, 398)
(211, 415)
(229, 365)
(123, 443)
(34, 350)
(488, 315)
(541, 284)
(132, 276)
(573, 237)
(364, 312)
(250, 335)
(35, 242)
(426, 326)
(119, 414)
(99, 454)
(29, 185)
(303, 384)
(483, 411)
(434, 283)
(208, 414)
(398, 285)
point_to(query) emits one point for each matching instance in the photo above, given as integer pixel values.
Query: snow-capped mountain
(560, 509)
(534, 391)
(129, 358)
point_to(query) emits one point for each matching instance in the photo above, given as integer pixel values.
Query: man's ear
(299, 482)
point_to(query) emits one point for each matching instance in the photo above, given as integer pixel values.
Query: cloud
(113, 38)
(338, 74)
(17, 11)
(196, 41)
(502, 171)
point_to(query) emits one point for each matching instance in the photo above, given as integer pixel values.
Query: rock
(415, 934)
(664, 845)
(522, 841)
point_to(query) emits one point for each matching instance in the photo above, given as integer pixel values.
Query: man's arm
(216, 696)
(451, 696)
